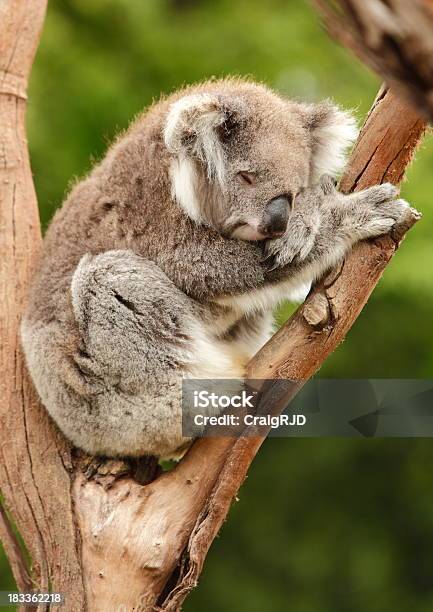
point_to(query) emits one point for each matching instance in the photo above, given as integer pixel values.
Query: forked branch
(385, 147)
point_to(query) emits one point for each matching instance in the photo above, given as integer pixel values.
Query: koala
(167, 261)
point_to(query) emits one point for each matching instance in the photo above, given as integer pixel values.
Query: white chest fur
(265, 298)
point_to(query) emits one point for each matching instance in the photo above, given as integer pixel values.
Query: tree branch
(184, 509)
(385, 146)
(393, 37)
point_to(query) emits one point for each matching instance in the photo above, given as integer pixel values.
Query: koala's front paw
(303, 226)
(381, 211)
(293, 246)
(378, 194)
(382, 218)
(273, 253)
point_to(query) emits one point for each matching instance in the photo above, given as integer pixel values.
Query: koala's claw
(270, 262)
(328, 184)
(266, 256)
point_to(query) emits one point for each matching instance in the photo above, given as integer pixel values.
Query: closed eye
(247, 177)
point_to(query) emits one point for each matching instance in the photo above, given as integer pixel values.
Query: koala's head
(240, 154)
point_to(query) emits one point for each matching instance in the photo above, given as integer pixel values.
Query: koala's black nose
(276, 215)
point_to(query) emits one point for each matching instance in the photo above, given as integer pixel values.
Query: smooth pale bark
(93, 532)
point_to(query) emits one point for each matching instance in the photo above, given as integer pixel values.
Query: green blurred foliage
(322, 525)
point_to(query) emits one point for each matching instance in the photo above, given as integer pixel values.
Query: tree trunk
(92, 531)
(35, 467)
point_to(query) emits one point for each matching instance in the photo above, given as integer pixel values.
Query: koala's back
(95, 217)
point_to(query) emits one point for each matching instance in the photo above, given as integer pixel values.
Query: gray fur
(144, 279)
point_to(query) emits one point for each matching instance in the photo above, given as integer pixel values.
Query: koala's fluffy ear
(196, 125)
(333, 131)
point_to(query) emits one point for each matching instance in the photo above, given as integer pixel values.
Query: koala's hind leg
(133, 321)
(139, 334)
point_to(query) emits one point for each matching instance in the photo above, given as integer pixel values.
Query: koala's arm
(325, 224)
(209, 265)
(322, 228)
